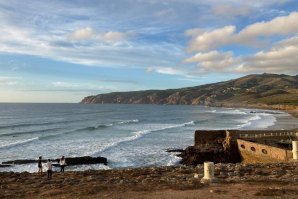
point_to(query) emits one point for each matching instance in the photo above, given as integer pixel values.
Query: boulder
(4, 165)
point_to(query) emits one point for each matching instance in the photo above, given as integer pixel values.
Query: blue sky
(64, 50)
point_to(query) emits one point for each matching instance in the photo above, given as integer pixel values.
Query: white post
(208, 172)
(295, 150)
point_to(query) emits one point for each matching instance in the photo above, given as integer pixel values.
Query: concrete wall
(203, 137)
(261, 133)
(253, 152)
(246, 143)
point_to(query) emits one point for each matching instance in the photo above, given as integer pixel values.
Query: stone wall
(210, 137)
(254, 152)
(251, 145)
(263, 133)
(206, 138)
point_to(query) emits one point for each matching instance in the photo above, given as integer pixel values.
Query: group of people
(49, 166)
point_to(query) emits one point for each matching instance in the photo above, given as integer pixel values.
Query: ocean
(127, 135)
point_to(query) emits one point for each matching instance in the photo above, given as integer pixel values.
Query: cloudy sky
(64, 50)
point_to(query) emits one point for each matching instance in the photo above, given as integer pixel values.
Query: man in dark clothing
(40, 165)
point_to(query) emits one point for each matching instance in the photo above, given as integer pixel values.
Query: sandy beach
(286, 122)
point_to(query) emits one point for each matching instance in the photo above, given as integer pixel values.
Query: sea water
(127, 135)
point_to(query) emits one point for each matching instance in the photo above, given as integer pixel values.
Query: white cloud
(204, 41)
(208, 40)
(114, 37)
(214, 61)
(284, 25)
(281, 58)
(109, 36)
(212, 55)
(61, 84)
(82, 34)
(164, 70)
(9, 81)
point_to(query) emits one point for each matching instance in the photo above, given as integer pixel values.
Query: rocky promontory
(267, 91)
(69, 160)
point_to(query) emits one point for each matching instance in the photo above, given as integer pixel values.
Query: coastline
(285, 121)
(276, 179)
(294, 113)
(281, 123)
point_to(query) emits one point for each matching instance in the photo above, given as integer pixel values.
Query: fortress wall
(206, 137)
(243, 144)
(261, 133)
(211, 137)
(254, 152)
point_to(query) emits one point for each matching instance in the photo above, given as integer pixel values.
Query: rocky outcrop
(193, 155)
(69, 161)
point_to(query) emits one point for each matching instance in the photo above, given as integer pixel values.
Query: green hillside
(252, 90)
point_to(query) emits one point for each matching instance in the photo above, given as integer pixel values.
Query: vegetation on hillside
(264, 89)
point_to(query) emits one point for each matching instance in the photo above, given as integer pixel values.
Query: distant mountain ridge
(260, 91)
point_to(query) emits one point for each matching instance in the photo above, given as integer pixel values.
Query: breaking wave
(18, 143)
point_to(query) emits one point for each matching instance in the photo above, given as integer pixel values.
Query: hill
(260, 91)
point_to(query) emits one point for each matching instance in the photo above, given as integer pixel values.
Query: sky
(64, 50)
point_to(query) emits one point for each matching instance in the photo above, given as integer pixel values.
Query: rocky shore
(70, 161)
(233, 180)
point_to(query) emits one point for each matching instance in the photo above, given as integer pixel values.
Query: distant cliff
(260, 91)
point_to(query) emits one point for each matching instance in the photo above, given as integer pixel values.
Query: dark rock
(69, 161)
(194, 156)
(21, 161)
(174, 150)
(4, 165)
(86, 160)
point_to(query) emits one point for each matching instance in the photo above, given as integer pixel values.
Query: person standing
(62, 164)
(49, 168)
(39, 164)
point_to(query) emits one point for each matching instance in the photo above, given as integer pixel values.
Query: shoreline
(289, 109)
(284, 122)
(163, 182)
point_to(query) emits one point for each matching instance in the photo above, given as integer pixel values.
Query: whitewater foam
(128, 135)
(257, 121)
(18, 143)
(128, 121)
(139, 134)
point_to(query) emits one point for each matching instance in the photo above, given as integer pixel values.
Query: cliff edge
(271, 91)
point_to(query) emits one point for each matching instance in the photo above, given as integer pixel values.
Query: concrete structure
(254, 152)
(208, 173)
(252, 146)
(295, 150)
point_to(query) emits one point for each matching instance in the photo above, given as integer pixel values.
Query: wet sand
(285, 121)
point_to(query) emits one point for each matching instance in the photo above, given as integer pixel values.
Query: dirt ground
(276, 180)
(213, 191)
